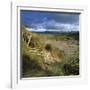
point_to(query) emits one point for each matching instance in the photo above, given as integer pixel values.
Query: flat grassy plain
(49, 54)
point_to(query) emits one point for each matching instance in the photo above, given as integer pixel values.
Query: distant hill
(73, 34)
(57, 32)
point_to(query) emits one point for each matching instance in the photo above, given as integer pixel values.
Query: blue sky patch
(50, 21)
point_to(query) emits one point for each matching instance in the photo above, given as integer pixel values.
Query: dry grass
(47, 55)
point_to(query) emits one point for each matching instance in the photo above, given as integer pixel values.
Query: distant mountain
(57, 32)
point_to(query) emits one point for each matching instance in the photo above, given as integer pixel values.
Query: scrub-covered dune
(49, 54)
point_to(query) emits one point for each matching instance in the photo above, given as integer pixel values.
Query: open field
(49, 54)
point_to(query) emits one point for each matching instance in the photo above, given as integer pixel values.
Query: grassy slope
(62, 48)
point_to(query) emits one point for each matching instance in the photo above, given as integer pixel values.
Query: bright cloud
(52, 25)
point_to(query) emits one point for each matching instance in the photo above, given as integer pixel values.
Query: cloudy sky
(50, 21)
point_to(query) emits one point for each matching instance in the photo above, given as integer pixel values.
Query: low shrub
(48, 47)
(72, 67)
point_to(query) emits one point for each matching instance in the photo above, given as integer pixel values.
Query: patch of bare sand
(68, 47)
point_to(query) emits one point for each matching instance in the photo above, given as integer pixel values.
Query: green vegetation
(49, 54)
(48, 47)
